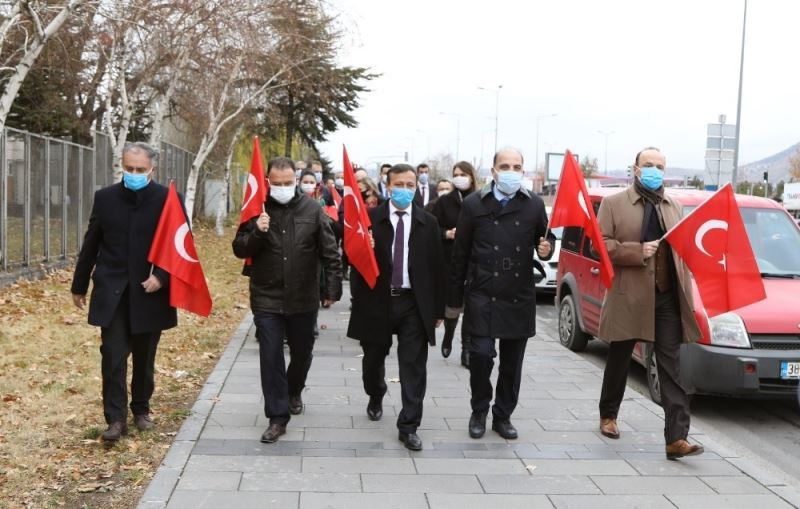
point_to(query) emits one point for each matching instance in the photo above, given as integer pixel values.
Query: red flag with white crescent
(173, 250)
(356, 228)
(713, 242)
(256, 190)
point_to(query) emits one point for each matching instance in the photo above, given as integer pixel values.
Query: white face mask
(339, 182)
(282, 194)
(461, 182)
(308, 188)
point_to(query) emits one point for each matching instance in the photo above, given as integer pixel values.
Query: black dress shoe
(272, 433)
(375, 408)
(477, 424)
(447, 347)
(505, 429)
(465, 358)
(115, 431)
(295, 405)
(411, 441)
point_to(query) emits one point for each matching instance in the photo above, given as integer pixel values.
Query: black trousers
(117, 344)
(412, 358)
(668, 340)
(481, 362)
(278, 382)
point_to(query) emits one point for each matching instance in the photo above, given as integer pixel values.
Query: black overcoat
(369, 319)
(114, 255)
(492, 265)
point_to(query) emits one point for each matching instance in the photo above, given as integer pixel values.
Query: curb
(162, 484)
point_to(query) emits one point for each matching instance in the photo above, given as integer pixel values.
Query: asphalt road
(766, 432)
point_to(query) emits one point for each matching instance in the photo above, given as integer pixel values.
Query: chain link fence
(46, 190)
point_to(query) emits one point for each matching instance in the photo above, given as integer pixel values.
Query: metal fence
(46, 190)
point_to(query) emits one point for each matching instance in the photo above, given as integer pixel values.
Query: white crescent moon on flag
(348, 191)
(180, 240)
(712, 224)
(252, 186)
(582, 203)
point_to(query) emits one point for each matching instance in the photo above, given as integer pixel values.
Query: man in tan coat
(650, 299)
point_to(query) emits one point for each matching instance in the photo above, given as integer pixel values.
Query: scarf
(653, 222)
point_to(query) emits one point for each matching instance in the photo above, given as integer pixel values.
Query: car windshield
(775, 240)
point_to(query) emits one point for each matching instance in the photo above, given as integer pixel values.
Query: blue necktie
(504, 202)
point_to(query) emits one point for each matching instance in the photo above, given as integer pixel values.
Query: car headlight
(728, 329)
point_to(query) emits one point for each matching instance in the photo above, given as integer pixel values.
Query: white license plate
(790, 370)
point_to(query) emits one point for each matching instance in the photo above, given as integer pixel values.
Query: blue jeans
(277, 382)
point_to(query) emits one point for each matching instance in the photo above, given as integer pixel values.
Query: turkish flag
(333, 210)
(572, 207)
(356, 228)
(713, 243)
(255, 193)
(173, 250)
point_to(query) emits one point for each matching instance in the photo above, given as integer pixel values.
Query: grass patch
(51, 413)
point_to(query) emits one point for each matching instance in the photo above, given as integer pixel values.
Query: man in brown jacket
(650, 299)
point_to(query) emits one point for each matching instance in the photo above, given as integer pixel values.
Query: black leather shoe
(272, 433)
(143, 422)
(115, 431)
(477, 424)
(375, 408)
(295, 405)
(505, 429)
(447, 347)
(411, 441)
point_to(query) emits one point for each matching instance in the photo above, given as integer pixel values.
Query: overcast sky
(654, 72)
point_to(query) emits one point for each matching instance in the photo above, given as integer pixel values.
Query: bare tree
(39, 22)
(794, 167)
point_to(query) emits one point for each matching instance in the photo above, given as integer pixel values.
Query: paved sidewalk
(332, 456)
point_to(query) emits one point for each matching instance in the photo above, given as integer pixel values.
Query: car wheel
(569, 330)
(651, 367)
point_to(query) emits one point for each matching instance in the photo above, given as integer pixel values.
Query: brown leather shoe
(608, 428)
(115, 431)
(681, 448)
(272, 433)
(143, 422)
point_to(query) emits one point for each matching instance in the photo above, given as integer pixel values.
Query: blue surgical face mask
(318, 177)
(402, 197)
(508, 182)
(423, 179)
(652, 178)
(135, 181)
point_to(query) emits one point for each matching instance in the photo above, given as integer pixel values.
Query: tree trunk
(287, 149)
(222, 205)
(21, 71)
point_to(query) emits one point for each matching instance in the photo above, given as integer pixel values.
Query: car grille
(777, 385)
(775, 342)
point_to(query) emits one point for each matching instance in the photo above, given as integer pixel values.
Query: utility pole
(739, 102)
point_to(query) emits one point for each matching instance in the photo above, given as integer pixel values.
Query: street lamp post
(496, 110)
(458, 128)
(606, 134)
(538, 119)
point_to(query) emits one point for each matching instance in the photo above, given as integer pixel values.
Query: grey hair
(140, 146)
(507, 149)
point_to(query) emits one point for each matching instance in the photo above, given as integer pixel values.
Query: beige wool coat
(629, 306)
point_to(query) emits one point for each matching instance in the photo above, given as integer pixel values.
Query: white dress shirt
(393, 217)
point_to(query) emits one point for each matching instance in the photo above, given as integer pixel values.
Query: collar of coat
(633, 196)
(417, 212)
(487, 189)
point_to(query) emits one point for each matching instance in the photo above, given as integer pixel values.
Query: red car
(752, 351)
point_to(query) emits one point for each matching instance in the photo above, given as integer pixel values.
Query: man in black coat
(130, 298)
(492, 277)
(426, 190)
(289, 244)
(407, 300)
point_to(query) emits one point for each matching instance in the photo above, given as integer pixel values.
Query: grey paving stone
(639, 485)
(300, 482)
(734, 485)
(214, 481)
(200, 463)
(464, 501)
(538, 485)
(389, 483)
(217, 419)
(611, 502)
(547, 467)
(788, 493)
(491, 454)
(728, 501)
(231, 500)
(178, 454)
(362, 501)
(685, 466)
(470, 466)
(162, 485)
(383, 453)
(338, 453)
(359, 465)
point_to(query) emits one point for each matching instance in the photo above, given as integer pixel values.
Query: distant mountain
(777, 165)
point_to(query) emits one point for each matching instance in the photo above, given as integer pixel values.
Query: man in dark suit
(426, 190)
(407, 300)
(492, 277)
(130, 300)
(382, 189)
